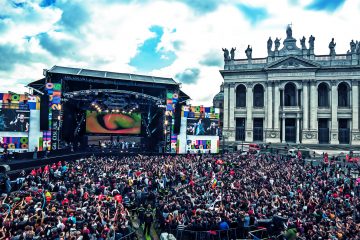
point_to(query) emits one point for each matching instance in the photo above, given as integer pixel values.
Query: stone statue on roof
(288, 31)
(302, 42)
(357, 47)
(277, 44)
(226, 54)
(311, 42)
(232, 53)
(332, 46)
(269, 44)
(248, 52)
(352, 46)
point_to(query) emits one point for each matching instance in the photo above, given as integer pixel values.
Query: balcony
(290, 109)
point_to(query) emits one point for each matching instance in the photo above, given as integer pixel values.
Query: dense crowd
(98, 197)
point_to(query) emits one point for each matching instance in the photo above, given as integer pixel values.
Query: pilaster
(297, 130)
(249, 107)
(232, 101)
(355, 133)
(334, 132)
(270, 105)
(226, 107)
(305, 105)
(273, 134)
(310, 136)
(283, 129)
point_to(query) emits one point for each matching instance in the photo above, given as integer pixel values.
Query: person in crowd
(101, 197)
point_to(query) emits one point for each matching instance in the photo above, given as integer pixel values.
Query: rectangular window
(240, 129)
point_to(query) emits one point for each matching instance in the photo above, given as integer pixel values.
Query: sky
(179, 39)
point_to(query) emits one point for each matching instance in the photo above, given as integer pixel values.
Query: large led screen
(113, 123)
(202, 126)
(14, 120)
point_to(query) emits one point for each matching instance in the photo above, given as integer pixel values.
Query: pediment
(292, 62)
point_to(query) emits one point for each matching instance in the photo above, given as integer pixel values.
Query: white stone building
(292, 95)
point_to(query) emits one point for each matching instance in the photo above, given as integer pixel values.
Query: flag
(213, 183)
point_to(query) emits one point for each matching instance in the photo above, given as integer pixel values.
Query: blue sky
(181, 39)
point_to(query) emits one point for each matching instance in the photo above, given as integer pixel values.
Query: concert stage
(82, 107)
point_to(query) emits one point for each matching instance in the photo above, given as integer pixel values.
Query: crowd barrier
(130, 236)
(251, 232)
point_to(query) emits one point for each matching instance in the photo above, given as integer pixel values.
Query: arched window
(290, 95)
(241, 96)
(258, 96)
(343, 95)
(323, 95)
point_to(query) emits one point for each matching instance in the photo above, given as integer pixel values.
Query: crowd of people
(99, 197)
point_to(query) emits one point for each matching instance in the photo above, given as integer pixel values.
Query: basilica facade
(292, 95)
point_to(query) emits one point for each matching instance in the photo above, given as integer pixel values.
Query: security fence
(251, 232)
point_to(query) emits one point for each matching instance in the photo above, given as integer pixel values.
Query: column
(355, 133)
(231, 119)
(226, 107)
(313, 113)
(276, 106)
(249, 107)
(283, 128)
(276, 129)
(269, 104)
(334, 132)
(266, 118)
(305, 105)
(313, 106)
(297, 129)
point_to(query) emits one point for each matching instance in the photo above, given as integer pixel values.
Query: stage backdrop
(113, 123)
(25, 134)
(202, 144)
(199, 132)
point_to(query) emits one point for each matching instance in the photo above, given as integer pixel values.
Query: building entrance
(344, 131)
(290, 130)
(258, 129)
(323, 130)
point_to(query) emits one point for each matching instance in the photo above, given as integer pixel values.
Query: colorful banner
(19, 101)
(15, 142)
(200, 112)
(170, 142)
(198, 145)
(174, 143)
(54, 92)
(46, 141)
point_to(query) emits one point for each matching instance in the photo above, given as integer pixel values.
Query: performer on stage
(20, 124)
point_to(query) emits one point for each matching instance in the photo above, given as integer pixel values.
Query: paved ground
(140, 231)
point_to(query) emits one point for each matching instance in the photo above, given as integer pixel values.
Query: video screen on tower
(14, 120)
(113, 123)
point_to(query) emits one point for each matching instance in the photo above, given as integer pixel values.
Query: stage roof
(111, 75)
